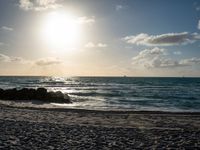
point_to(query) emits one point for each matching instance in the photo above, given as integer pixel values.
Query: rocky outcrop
(34, 94)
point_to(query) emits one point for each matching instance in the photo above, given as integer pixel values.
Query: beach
(99, 74)
(54, 128)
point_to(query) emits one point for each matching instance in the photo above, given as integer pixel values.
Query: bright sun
(61, 30)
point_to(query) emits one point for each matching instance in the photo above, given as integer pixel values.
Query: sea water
(118, 93)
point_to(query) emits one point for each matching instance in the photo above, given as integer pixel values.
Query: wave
(171, 97)
(96, 94)
(118, 92)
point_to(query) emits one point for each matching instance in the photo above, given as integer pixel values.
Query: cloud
(47, 61)
(6, 28)
(119, 7)
(92, 45)
(198, 25)
(5, 58)
(39, 5)
(25, 4)
(86, 20)
(39, 62)
(149, 57)
(191, 61)
(19, 60)
(167, 39)
(158, 58)
(102, 45)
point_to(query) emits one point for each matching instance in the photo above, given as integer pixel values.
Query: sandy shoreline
(38, 105)
(99, 129)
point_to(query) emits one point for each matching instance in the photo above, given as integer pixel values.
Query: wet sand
(37, 128)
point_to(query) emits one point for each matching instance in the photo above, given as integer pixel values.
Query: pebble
(57, 136)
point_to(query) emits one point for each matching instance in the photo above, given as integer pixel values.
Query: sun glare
(61, 30)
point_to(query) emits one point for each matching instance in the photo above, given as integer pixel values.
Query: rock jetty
(34, 94)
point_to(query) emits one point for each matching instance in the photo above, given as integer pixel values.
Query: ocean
(118, 93)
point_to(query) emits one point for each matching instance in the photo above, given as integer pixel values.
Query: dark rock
(41, 93)
(32, 94)
(8, 94)
(59, 95)
(22, 94)
(66, 96)
(1, 92)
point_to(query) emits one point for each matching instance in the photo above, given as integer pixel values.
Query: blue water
(127, 93)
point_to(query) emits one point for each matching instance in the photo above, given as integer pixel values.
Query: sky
(100, 37)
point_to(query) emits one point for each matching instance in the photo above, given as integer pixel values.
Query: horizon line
(125, 76)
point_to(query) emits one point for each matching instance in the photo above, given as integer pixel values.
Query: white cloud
(5, 58)
(6, 28)
(158, 58)
(149, 57)
(39, 5)
(25, 4)
(98, 45)
(167, 39)
(19, 60)
(101, 45)
(119, 7)
(86, 20)
(191, 61)
(198, 25)
(47, 61)
(90, 45)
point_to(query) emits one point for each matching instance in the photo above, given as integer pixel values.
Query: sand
(54, 128)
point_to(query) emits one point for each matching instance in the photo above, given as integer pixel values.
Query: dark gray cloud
(167, 39)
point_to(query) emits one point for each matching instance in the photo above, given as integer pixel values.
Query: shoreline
(120, 111)
(44, 128)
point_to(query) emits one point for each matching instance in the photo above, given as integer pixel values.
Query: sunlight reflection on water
(172, 94)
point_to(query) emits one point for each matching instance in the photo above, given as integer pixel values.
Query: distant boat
(125, 76)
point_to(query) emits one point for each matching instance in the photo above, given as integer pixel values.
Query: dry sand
(37, 128)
